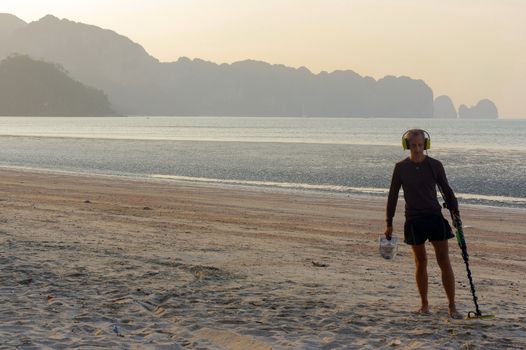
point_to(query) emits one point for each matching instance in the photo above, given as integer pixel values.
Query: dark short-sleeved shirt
(419, 181)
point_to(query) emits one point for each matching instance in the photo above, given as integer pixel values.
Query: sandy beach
(115, 262)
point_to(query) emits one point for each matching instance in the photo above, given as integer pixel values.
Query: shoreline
(102, 261)
(249, 185)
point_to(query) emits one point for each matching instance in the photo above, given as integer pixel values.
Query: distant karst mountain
(444, 108)
(37, 88)
(484, 109)
(9, 23)
(138, 84)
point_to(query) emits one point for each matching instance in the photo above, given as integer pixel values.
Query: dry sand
(94, 261)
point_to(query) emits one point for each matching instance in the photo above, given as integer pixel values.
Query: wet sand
(95, 261)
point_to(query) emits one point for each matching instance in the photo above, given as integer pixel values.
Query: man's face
(416, 144)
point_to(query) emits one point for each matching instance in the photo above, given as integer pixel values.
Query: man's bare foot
(454, 314)
(423, 310)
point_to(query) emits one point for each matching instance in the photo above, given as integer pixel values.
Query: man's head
(416, 139)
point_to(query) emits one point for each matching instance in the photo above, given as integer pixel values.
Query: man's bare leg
(419, 253)
(448, 277)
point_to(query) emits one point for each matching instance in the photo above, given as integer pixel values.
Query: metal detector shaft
(463, 247)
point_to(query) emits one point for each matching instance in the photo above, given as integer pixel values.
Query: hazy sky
(467, 49)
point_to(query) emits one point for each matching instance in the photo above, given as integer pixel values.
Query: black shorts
(432, 227)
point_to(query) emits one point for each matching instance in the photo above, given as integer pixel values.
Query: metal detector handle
(455, 218)
(459, 234)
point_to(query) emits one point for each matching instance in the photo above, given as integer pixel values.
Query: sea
(485, 160)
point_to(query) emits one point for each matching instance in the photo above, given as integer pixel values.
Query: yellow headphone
(427, 138)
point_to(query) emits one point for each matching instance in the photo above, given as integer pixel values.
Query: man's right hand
(388, 232)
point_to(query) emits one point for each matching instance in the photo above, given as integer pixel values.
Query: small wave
(468, 197)
(500, 199)
(286, 185)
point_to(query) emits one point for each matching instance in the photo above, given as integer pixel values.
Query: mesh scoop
(387, 247)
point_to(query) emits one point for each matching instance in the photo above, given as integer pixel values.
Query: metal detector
(472, 315)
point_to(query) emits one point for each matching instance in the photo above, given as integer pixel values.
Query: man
(419, 175)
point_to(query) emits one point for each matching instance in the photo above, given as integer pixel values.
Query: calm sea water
(485, 159)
